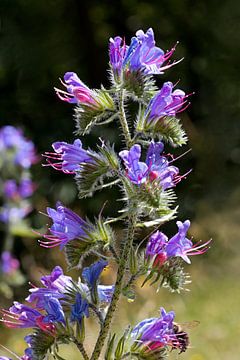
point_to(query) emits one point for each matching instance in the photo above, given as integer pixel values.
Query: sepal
(140, 87)
(91, 176)
(99, 236)
(170, 275)
(152, 200)
(166, 128)
(87, 116)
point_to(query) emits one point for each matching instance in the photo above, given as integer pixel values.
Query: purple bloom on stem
(91, 274)
(13, 214)
(20, 316)
(105, 293)
(137, 171)
(24, 154)
(54, 310)
(77, 91)
(8, 263)
(166, 102)
(156, 166)
(147, 57)
(178, 246)
(69, 156)
(26, 188)
(67, 226)
(55, 285)
(10, 189)
(156, 332)
(117, 53)
(79, 309)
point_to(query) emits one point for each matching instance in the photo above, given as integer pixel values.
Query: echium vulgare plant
(56, 309)
(17, 154)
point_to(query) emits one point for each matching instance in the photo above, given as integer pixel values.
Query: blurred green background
(40, 41)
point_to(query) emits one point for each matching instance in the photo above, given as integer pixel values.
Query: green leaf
(110, 346)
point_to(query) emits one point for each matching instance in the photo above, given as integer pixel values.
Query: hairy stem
(117, 292)
(81, 349)
(123, 119)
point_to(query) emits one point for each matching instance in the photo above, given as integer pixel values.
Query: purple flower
(54, 310)
(69, 156)
(13, 214)
(13, 191)
(20, 316)
(10, 189)
(79, 309)
(77, 91)
(8, 263)
(91, 274)
(54, 285)
(105, 293)
(24, 150)
(142, 54)
(117, 53)
(156, 332)
(155, 167)
(26, 188)
(166, 102)
(67, 226)
(161, 249)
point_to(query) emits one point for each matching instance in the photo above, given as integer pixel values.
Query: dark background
(41, 40)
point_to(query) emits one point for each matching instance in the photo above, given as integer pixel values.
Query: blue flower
(79, 309)
(54, 310)
(91, 274)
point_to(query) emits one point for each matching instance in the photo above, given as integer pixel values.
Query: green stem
(81, 349)
(123, 119)
(117, 292)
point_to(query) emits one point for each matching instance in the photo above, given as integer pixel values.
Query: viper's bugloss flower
(54, 285)
(166, 102)
(117, 53)
(156, 166)
(142, 54)
(91, 274)
(23, 190)
(14, 214)
(77, 91)
(79, 309)
(156, 332)
(105, 293)
(20, 316)
(24, 150)
(8, 263)
(69, 156)
(54, 310)
(67, 225)
(178, 246)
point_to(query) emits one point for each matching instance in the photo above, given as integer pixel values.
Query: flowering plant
(17, 155)
(57, 309)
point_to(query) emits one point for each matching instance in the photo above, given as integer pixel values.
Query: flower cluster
(141, 55)
(17, 155)
(160, 248)
(56, 310)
